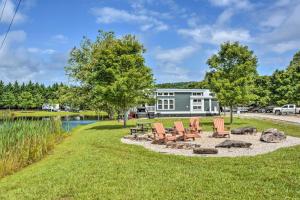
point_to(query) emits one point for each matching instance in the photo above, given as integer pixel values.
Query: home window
(197, 104)
(197, 107)
(197, 93)
(165, 104)
(197, 100)
(171, 104)
(159, 105)
(165, 94)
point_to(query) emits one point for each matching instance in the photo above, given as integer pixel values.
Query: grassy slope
(94, 164)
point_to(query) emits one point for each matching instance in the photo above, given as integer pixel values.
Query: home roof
(180, 90)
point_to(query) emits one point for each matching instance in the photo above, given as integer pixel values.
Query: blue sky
(179, 35)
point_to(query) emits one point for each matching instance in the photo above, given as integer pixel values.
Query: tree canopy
(232, 74)
(27, 95)
(113, 70)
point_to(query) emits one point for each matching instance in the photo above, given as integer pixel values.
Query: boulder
(272, 135)
(244, 130)
(205, 151)
(234, 143)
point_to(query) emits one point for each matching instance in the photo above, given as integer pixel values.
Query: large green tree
(262, 90)
(232, 74)
(114, 68)
(26, 100)
(293, 72)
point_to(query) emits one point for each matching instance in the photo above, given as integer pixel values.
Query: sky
(179, 35)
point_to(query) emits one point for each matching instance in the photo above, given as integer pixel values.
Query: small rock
(129, 137)
(244, 130)
(234, 143)
(272, 135)
(205, 151)
(143, 137)
(181, 145)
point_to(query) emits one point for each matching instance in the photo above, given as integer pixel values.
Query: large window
(165, 104)
(197, 94)
(197, 104)
(159, 104)
(165, 94)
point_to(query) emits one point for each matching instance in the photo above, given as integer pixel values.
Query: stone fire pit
(238, 145)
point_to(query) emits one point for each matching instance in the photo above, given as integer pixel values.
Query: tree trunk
(231, 115)
(111, 115)
(124, 120)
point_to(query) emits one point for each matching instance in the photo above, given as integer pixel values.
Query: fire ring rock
(244, 130)
(205, 151)
(272, 135)
(234, 143)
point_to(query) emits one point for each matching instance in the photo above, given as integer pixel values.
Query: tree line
(27, 95)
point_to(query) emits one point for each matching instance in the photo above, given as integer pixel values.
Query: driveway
(288, 118)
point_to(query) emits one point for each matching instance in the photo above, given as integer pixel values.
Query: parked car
(253, 108)
(51, 107)
(286, 109)
(268, 109)
(242, 109)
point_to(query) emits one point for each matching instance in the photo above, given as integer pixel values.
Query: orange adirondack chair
(195, 126)
(160, 134)
(180, 130)
(219, 128)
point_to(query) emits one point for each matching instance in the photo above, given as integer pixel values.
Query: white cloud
(9, 12)
(60, 38)
(170, 62)
(108, 15)
(41, 51)
(285, 46)
(213, 35)
(225, 16)
(241, 4)
(274, 20)
(282, 20)
(175, 55)
(24, 64)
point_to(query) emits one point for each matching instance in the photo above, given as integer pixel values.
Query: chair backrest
(179, 127)
(219, 124)
(159, 129)
(194, 123)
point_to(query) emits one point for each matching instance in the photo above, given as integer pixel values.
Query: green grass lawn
(33, 113)
(94, 164)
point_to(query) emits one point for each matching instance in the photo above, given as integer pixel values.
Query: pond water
(68, 122)
(68, 125)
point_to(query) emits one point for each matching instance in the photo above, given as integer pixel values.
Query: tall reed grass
(23, 142)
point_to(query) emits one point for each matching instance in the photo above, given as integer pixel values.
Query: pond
(68, 122)
(68, 125)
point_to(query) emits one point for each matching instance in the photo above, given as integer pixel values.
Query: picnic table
(141, 127)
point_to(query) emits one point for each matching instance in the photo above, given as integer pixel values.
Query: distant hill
(179, 85)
